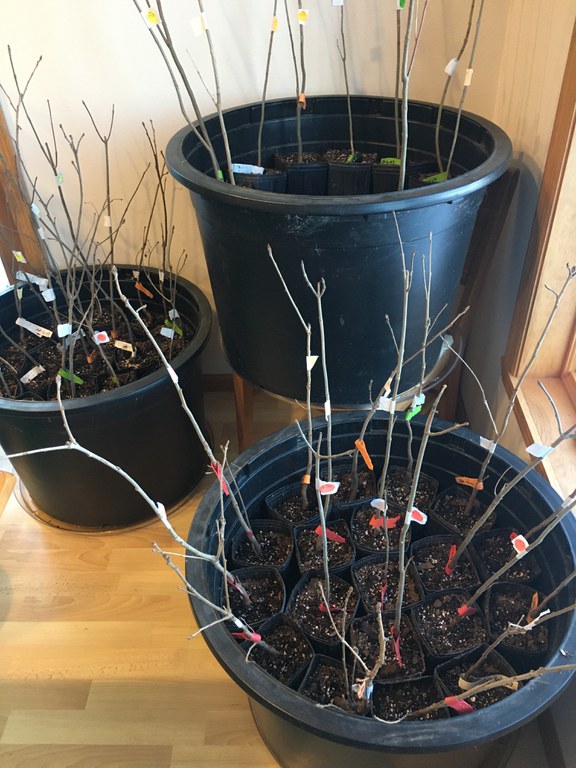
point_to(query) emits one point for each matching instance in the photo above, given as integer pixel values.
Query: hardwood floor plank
(85, 756)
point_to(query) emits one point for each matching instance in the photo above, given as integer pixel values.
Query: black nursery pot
(294, 728)
(350, 240)
(139, 427)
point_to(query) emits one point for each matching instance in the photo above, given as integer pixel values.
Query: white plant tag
(468, 77)
(168, 332)
(173, 314)
(19, 256)
(107, 222)
(379, 504)
(172, 373)
(136, 274)
(64, 329)
(450, 68)
(41, 233)
(198, 25)
(37, 330)
(337, 2)
(35, 210)
(255, 170)
(124, 345)
(161, 276)
(416, 516)
(48, 294)
(327, 409)
(326, 487)
(101, 337)
(311, 361)
(387, 404)
(489, 445)
(31, 374)
(538, 450)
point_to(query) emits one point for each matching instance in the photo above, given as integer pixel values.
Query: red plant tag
(361, 445)
(459, 705)
(233, 581)
(467, 610)
(330, 535)
(449, 569)
(217, 469)
(378, 522)
(472, 482)
(383, 590)
(519, 543)
(142, 289)
(333, 608)
(396, 641)
(253, 636)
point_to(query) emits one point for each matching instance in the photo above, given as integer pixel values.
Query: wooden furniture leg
(244, 402)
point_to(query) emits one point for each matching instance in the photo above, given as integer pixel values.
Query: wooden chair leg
(244, 402)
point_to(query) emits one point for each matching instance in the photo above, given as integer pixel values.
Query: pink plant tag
(396, 641)
(467, 610)
(459, 705)
(217, 469)
(326, 488)
(330, 535)
(333, 608)
(417, 516)
(519, 543)
(383, 590)
(252, 636)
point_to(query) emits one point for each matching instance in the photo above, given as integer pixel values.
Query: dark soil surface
(393, 700)
(265, 593)
(365, 637)
(291, 652)
(310, 546)
(444, 630)
(366, 486)
(307, 157)
(89, 358)
(492, 665)
(309, 611)
(342, 156)
(398, 487)
(430, 559)
(495, 550)
(290, 508)
(326, 683)
(275, 548)
(371, 578)
(452, 509)
(375, 538)
(510, 603)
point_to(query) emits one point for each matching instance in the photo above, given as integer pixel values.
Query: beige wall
(101, 52)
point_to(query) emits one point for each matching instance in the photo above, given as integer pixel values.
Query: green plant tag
(220, 175)
(390, 161)
(413, 412)
(353, 157)
(436, 178)
(175, 327)
(401, 4)
(70, 376)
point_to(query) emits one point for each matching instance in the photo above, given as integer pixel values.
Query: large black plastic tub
(301, 734)
(140, 427)
(351, 242)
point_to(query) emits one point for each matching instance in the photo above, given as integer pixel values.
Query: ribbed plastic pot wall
(299, 733)
(139, 427)
(351, 242)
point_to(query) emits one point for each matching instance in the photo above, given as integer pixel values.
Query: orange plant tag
(472, 482)
(361, 445)
(302, 100)
(533, 604)
(378, 522)
(91, 357)
(305, 479)
(142, 289)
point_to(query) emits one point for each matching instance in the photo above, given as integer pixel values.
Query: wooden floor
(96, 666)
